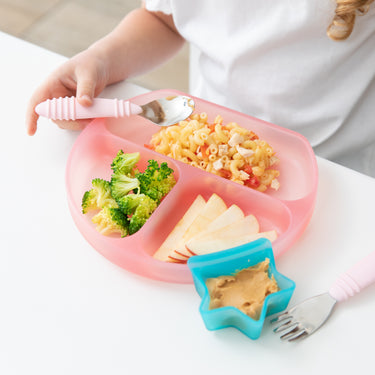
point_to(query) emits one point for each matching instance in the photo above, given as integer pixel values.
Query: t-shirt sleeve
(159, 6)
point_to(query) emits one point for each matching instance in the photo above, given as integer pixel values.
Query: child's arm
(139, 43)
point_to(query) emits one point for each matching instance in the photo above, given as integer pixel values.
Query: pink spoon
(162, 112)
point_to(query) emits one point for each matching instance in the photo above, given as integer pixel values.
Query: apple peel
(190, 215)
(210, 245)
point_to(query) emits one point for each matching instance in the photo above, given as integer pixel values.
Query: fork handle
(68, 108)
(362, 274)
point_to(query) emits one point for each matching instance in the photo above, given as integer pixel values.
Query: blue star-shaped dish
(229, 262)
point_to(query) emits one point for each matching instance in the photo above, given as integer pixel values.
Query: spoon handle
(68, 108)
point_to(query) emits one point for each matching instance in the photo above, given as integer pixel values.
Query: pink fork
(305, 318)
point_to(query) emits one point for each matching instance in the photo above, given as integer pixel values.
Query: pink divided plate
(288, 210)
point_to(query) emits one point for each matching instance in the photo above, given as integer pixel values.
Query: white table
(64, 309)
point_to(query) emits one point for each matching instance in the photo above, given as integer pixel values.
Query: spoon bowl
(168, 111)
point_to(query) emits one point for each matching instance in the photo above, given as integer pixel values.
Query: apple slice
(248, 225)
(216, 242)
(190, 215)
(214, 207)
(245, 225)
(229, 216)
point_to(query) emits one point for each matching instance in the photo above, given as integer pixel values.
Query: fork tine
(281, 317)
(294, 331)
(301, 334)
(284, 324)
(289, 325)
(281, 321)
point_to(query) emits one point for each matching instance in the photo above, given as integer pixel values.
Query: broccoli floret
(139, 208)
(129, 203)
(125, 163)
(123, 212)
(98, 197)
(142, 211)
(111, 220)
(122, 184)
(155, 181)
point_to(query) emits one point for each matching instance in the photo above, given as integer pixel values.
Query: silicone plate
(287, 210)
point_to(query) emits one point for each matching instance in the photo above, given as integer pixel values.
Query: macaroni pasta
(229, 151)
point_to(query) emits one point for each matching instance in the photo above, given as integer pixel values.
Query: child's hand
(83, 76)
(141, 41)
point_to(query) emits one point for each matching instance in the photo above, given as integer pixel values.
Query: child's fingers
(72, 125)
(86, 84)
(31, 119)
(41, 94)
(31, 115)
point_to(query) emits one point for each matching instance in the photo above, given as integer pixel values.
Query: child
(307, 65)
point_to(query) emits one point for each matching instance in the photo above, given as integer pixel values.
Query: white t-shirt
(273, 60)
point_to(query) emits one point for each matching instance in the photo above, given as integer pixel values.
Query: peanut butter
(246, 290)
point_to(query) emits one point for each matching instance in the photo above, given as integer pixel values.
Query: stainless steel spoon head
(168, 111)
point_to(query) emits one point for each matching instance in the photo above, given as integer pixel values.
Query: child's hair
(343, 22)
